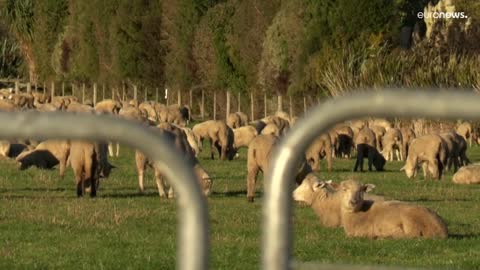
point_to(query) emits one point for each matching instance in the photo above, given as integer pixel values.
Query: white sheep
(386, 219)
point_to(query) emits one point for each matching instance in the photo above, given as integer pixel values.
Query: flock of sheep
(435, 148)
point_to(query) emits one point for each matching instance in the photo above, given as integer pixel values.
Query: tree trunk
(228, 106)
(73, 89)
(53, 89)
(279, 103)
(146, 95)
(103, 91)
(156, 94)
(63, 89)
(27, 52)
(17, 87)
(83, 93)
(135, 92)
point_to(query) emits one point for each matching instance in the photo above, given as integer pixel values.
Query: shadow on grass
(437, 200)
(463, 236)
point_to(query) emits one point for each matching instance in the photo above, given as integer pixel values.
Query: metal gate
(193, 243)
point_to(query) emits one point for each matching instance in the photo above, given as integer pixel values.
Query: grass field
(44, 226)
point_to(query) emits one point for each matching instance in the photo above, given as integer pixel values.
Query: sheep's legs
(251, 180)
(160, 184)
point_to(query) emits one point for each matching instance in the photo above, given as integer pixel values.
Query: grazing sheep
(407, 135)
(386, 219)
(108, 106)
(177, 136)
(456, 150)
(172, 114)
(41, 98)
(284, 116)
(430, 151)
(345, 140)
(380, 122)
(259, 154)
(282, 124)
(467, 175)
(234, 121)
(466, 131)
(89, 162)
(243, 118)
(22, 100)
(150, 111)
(46, 155)
(220, 136)
(192, 140)
(323, 197)
(393, 143)
(271, 129)
(366, 147)
(320, 148)
(379, 133)
(243, 136)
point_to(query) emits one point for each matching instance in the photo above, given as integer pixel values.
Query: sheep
(259, 154)
(430, 151)
(271, 129)
(243, 118)
(344, 144)
(243, 136)
(108, 106)
(284, 116)
(4, 148)
(79, 108)
(192, 140)
(47, 107)
(393, 143)
(234, 121)
(22, 100)
(46, 155)
(220, 136)
(172, 114)
(456, 150)
(282, 124)
(320, 148)
(386, 219)
(7, 106)
(365, 142)
(323, 197)
(379, 133)
(467, 175)
(150, 111)
(89, 162)
(177, 136)
(466, 131)
(380, 122)
(407, 135)
(41, 98)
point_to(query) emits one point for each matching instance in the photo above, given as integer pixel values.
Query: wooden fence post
(156, 94)
(279, 103)
(103, 91)
(83, 93)
(252, 110)
(135, 92)
(29, 88)
(179, 97)
(123, 91)
(304, 105)
(290, 101)
(190, 100)
(239, 98)
(94, 94)
(202, 109)
(215, 105)
(265, 104)
(17, 87)
(44, 88)
(63, 89)
(227, 111)
(166, 96)
(53, 89)
(36, 87)
(73, 89)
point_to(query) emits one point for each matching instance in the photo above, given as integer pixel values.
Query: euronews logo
(442, 15)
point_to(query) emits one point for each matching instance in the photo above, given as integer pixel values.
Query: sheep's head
(204, 179)
(305, 191)
(352, 194)
(410, 168)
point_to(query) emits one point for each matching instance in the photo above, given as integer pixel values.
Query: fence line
(193, 244)
(277, 207)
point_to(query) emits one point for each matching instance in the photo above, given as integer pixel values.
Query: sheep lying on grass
(467, 175)
(46, 155)
(386, 219)
(325, 200)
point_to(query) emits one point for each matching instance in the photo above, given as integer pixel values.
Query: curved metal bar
(277, 209)
(192, 246)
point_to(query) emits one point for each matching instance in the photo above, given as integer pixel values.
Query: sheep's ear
(368, 187)
(321, 184)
